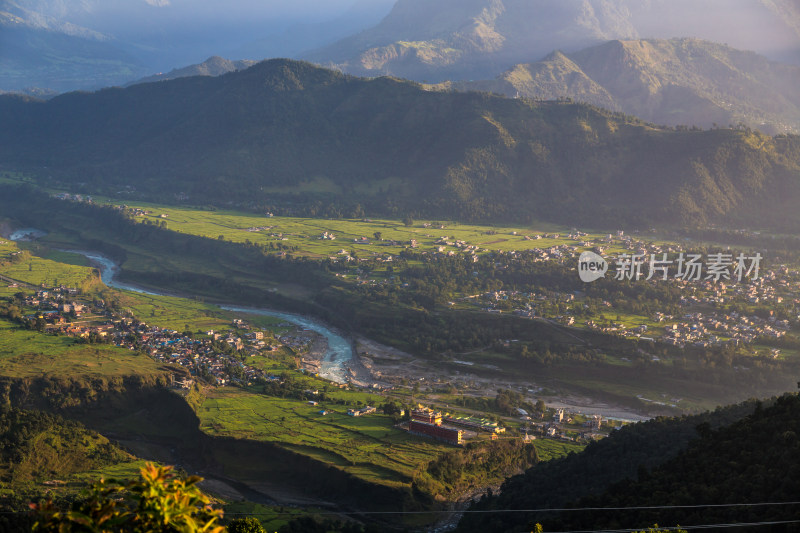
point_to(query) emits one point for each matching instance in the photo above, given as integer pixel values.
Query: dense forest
(743, 454)
(296, 138)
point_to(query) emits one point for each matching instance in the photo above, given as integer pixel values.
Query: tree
(377, 235)
(158, 502)
(408, 221)
(540, 406)
(248, 524)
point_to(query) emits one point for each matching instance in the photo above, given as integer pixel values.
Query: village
(706, 317)
(217, 357)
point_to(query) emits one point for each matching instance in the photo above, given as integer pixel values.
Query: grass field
(53, 267)
(121, 471)
(368, 447)
(27, 353)
(553, 449)
(56, 268)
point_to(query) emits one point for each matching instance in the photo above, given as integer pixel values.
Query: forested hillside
(753, 460)
(288, 135)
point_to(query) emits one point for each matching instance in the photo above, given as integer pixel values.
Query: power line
(554, 510)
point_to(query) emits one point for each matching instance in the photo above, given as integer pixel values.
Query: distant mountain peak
(680, 81)
(469, 39)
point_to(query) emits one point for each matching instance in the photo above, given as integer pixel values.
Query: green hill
(388, 144)
(677, 81)
(45, 456)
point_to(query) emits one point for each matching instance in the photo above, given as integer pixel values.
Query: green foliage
(38, 446)
(159, 501)
(476, 465)
(247, 524)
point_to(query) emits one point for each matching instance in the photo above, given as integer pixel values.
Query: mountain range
(269, 134)
(62, 46)
(673, 82)
(676, 81)
(478, 39)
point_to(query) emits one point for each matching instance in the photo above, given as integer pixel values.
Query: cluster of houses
(73, 197)
(361, 412)
(63, 313)
(719, 328)
(772, 288)
(562, 426)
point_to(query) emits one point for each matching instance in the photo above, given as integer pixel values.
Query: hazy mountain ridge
(390, 144)
(213, 66)
(43, 52)
(677, 81)
(455, 39)
(12, 14)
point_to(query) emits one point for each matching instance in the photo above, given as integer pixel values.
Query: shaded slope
(755, 460)
(624, 454)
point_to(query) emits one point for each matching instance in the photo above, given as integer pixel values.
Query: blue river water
(338, 354)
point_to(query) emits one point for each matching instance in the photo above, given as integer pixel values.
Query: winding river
(339, 351)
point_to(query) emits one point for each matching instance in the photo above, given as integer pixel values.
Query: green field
(272, 518)
(306, 233)
(368, 447)
(553, 449)
(56, 268)
(28, 353)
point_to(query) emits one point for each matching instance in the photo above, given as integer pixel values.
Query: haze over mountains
(62, 46)
(89, 44)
